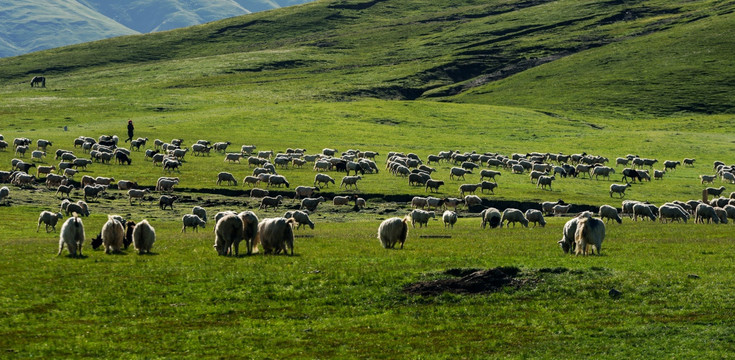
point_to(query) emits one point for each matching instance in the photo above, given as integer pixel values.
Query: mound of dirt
(471, 281)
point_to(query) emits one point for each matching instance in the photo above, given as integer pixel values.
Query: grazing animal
(491, 216)
(72, 234)
(450, 218)
(37, 81)
(112, 235)
(144, 235)
(276, 235)
(228, 234)
(193, 221)
(50, 219)
(590, 231)
(393, 231)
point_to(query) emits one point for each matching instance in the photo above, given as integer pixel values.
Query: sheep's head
(97, 241)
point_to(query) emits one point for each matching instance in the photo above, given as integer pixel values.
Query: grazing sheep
(545, 181)
(632, 174)
(341, 200)
(536, 217)
(350, 181)
(301, 217)
(166, 200)
(70, 208)
(200, 211)
(311, 203)
(144, 235)
(433, 185)
(707, 178)
(490, 174)
(512, 215)
(619, 189)
(432, 202)
(273, 202)
(136, 194)
(93, 191)
(548, 206)
(567, 241)
(166, 184)
(193, 221)
(673, 212)
(126, 185)
(392, 231)
(323, 179)
(250, 180)
(360, 203)
(560, 210)
(450, 218)
(689, 162)
(468, 188)
(37, 154)
(603, 171)
(50, 219)
(715, 191)
(590, 231)
(534, 175)
(225, 176)
(304, 191)
(658, 174)
(276, 235)
(609, 212)
(669, 164)
(458, 172)
(622, 161)
(730, 211)
(259, 193)
(472, 200)
(722, 214)
(421, 217)
(64, 190)
(228, 231)
(112, 235)
(232, 157)
(277, 180)
(707, 212)
(419, 202)
(250, 231)
(642, 210)
(491, 216)
(72, 234)
(54, 180)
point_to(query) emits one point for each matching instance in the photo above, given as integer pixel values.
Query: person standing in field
(130, 131)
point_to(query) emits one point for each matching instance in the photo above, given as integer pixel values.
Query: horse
(38, 80)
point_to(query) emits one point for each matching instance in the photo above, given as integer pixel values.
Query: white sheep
(707, 178)
(166, 200)
(276, 235)
(392, 231)
(468, 188)
(450, 218)
(472, 200)
(259, 193)
(323, 179)
(301, 217)
(350, 181)
(545, 181)
(50, 219)
(126, 185)
(567, 241)
(93, 191)
(512, 215)
(643, 210)
(707, 212)
(137, 194)
(491, 216)
(232, 157)
(228, 234)
(144, 235)
(311, 203)
(193, 221)
(433, 185)
(225, 176)
(72, 234)
(603, 171)
(421, 217)
(536, 217)
(305, 191)
(490, 174)
(590, 231)
(360, 203)
(277, 180)
(112, 235)
(618, 189)
(341, 200)
(560, 209)
(609, 212)
(673, 212)
(250, 230)
(419, 202)
(200, 211)
(458, 172)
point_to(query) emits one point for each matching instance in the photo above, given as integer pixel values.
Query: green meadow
(650, 78)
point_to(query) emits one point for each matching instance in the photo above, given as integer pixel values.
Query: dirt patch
(473, 281)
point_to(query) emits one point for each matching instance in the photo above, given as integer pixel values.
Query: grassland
(321, 76)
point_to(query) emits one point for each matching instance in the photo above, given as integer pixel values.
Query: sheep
(715, 191)
(730, 211)
(491, 216)
(171, 165)
(534, 175)
(165, 184)
(276, 235)
(112, 235)
(225, 176)
(490, 174)
(688, 161)
(458, 172)
(277, 180)
(301, 217)
(722, 214)
(21, 179)
(38, 154)
(250, 232)
(229, 231)
(469, 188)
(707, 212)
(265, 154)
(64, 190)
(603, 171)
(247, 149)
(232, 157)
(311, 203)
(72, 234)
(643, 174)
(200, 211)
(273, 202)
(166, 200)
(560, 210)
(360, 203)
(545, 181)
(658, 174)
(512, 215)
(79, 207)
(567, 241)
(126, 185)
(536, 217)
(21, 150)
(609, 212)
(304, 191)
(392, 231)
(673, 212)
(707, 178)
(87, 180)
(136, 194)
(93, 191)
(622, 161)
(54, 180)
(3, 145)
(341, 200)
(632, 174)
(421, 217)
(548, 206)
(619, 189)
(590, 231)
(642, 210)
(350, 181)
(432, 202)
(418, 202)
(49, 219)
(193, 221)
(450, 218)
(433, 185)
(669, 164)
(472, 200)
(144, 235)
(323, 179)
(81, 163)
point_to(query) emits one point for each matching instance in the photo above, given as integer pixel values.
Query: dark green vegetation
(651, 78)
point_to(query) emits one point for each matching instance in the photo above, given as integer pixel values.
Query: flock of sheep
(275, 235)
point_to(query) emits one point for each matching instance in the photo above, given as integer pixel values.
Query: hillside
(34, 25)
(614, 57)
